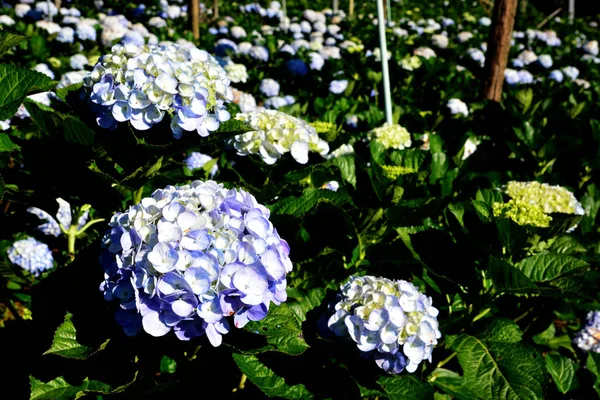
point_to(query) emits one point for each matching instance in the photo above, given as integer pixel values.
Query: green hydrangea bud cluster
(392, 136)
(532, 202)
(394, 171)
(326, 129)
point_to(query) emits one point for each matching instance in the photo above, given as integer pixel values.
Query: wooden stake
(498, 46)
(216, 9)
(57, 3)
(351, 9)
(195, 7)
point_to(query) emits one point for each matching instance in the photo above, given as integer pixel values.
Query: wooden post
(335, 6)
(57, 3)
(49, 11)
(195, 7)
(351, 9)
(216, 9)
(388, 11)
(498, 47)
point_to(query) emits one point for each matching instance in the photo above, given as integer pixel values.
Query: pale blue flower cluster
(31, 255)
(141, 84)
(389, 320)
(190, 256)
(196, 160)
(588, 339)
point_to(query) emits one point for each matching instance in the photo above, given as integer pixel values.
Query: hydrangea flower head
(392, 136)
(276, 133)
(531, 203)
(389, 320)
(588, 339)
(457, 106)
(189, 257)
(142, 84)
(31, 255)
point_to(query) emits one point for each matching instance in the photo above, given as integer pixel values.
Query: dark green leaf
(77, 132)
(65, 342)
(347, 168)
(451, 383)
(525, 97)
(496, 365)
(547, 266)
(548, 338)
(267, 381)
(8, 40)
(406, 387)
(15, 84)
(305, 301)
(562, 370)
(593, 365)
(507, 278)
(7, 145)
(283, 331)
(63, 92)
(299, 206)
(43, 116)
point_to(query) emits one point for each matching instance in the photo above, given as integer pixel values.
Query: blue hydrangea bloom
(389, 320)
(190, 257)
(588, 339)
(297, 67)
(196, 160)
(31, 255)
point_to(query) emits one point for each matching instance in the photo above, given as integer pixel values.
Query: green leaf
(8, 40)
(60, 389)
(56, 389)
(525, 97)
(283, 331)
(451, 383)
(347, 168)
(43, 116)
(299, 206)
(548, 338)
(143, 173)
(593, 365)
(489, 197)
(507, 278)
(566, 244)
(305, 301)
(562, 370)
(577, 109)
(406, 387)
(483, 210)
(497, 365)
(65, 342)
(76, 131)
(547, 266)
(63, 92)
(267, 381)
(168, 365)
(439, 166)
(15, 84)
(7, 145)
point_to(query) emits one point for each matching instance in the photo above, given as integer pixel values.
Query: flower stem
(71, 235)
(86, 226)
(137, 195)
(445, 360)
(242, 383)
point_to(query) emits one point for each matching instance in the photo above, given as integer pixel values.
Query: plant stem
(92, 222)
(445, 360)
(242, 383)
(71, 235)
(137, 195)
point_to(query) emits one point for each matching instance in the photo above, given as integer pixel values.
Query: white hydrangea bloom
(277, 133)
(392, 136)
